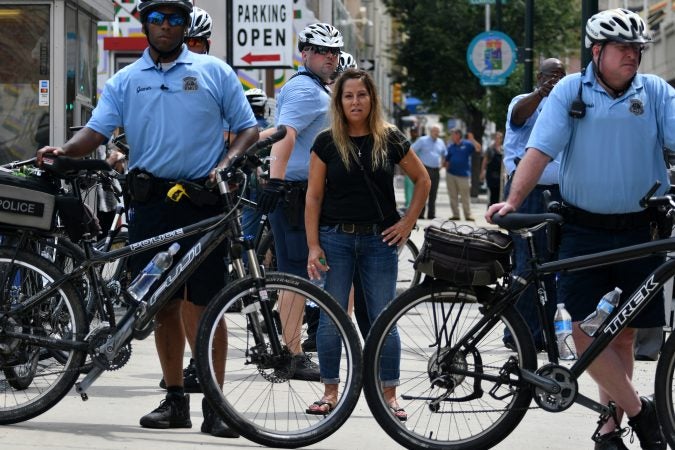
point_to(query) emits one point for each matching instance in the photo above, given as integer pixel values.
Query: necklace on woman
(359, 147)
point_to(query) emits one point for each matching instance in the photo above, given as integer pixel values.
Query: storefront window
(24, 80)
(80, 66)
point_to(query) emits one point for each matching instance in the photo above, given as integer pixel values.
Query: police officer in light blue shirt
(524, 111)
(172, 104)
(302, 106)
(611, 125)
(431, 151)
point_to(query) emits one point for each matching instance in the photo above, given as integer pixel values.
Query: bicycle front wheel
(664, 387)
(34, 377)
(450, 383)
(262, 395)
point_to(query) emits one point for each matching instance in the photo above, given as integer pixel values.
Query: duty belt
(611, 222)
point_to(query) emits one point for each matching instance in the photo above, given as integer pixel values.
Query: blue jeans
(534, 204)
(377, 264)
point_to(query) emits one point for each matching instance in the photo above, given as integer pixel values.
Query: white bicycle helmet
(618, 25)
(347, 61)
(200, 25)
(321, 34)
(256, 97)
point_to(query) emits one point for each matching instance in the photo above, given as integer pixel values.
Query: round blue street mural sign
(491, 57)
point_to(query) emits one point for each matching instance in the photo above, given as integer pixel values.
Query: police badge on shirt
(190, 84)
(636, 106)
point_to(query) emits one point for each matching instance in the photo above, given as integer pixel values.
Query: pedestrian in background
(302, 106)
(491, 170)
(430, 150)
(521, 116)
(610, 117)
(458, 172)
(407, 182)
(151, 99)
(352, 222)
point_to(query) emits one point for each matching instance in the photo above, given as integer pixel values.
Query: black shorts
(581, 291)
(152, 218)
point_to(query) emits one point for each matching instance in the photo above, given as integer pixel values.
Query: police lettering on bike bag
(465, 256)
(27, 201)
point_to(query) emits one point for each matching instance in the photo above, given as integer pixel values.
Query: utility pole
(498, 14)
(529, 45)
(588, 9)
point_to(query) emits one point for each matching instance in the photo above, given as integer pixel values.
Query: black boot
(646, 426)
(173, 412)
(610, 441)
(214, 425)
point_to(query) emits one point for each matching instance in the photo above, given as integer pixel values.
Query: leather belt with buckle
(357, 228)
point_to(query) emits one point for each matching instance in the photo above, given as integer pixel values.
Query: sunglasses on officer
(321, 50)
(197, 43)
(157, 18)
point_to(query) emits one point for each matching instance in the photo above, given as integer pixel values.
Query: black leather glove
(269, 197)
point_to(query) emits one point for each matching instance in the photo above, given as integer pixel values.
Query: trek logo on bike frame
(156, 239)
(177, 270)
(622, 317)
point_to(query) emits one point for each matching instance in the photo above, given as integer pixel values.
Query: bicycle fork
(262, 303)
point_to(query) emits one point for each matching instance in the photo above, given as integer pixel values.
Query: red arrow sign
(250, 58)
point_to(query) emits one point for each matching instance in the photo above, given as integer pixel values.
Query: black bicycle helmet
(147, 6)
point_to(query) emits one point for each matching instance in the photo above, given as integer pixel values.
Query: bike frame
(618, 320)
(137, 321)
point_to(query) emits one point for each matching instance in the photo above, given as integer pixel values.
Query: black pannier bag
(27, 201)
(76, 217)
(464, 255)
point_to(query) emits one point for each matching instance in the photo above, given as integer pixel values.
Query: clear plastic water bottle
(151, 273)
(594, 321)
(563, 333)
(321, 281)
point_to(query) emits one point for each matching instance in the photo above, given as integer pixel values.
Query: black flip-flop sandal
(399, 413)
(318, 411)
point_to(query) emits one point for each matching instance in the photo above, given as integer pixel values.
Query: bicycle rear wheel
(33, 377)
(450, 393)
(664, 388)
(260, 397)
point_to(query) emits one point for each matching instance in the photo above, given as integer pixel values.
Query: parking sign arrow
(250, 58)
(367, 64)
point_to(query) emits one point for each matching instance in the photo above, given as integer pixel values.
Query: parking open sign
(262, 33)
(491, 57)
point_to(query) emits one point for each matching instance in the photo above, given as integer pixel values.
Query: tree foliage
(435, 35)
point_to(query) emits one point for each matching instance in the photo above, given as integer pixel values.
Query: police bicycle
(258, 396)
(463, 387)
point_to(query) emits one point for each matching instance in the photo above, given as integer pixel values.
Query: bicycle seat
(67, 167)
(517, 221)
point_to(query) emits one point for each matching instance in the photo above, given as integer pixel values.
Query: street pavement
(109, 419)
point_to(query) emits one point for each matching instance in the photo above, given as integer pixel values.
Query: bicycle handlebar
(249, 158)
(516, 221)
(646, 200)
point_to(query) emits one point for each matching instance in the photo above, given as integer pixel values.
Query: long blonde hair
(377, 126)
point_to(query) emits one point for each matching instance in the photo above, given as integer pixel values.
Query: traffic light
(396, 93)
